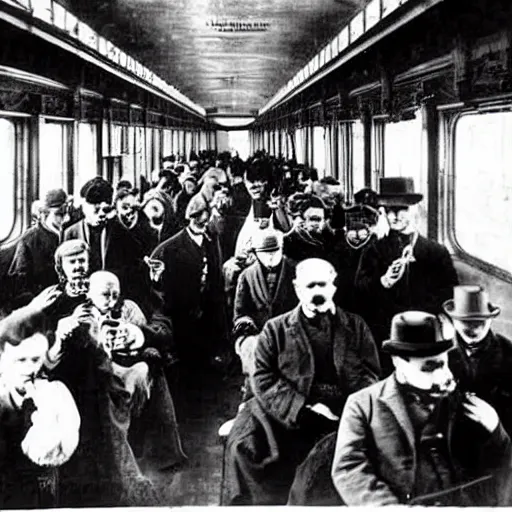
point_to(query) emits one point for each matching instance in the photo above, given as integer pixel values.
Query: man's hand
(83, 313)
(393, 274)
(481, 412)
(65, 327)
(323, 410)
(46, 298)
(247, 350)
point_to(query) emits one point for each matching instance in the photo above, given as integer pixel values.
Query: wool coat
(274, 433)
(253, 300)
(487, 373)
(376, 452)
(32, 266)
(198, 318)
(427, 282)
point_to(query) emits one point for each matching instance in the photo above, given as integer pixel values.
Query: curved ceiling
(191, 44)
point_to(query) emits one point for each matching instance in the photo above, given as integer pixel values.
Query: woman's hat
(471, 302)
(416, 334)
(398, 192)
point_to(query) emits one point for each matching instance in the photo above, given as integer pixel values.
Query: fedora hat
(416, 334)
(398, 191)
(470, 301)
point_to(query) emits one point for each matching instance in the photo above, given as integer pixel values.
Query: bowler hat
(398, 192)
(266, 240)
(470, 302)
(416, 334)
(55, 198)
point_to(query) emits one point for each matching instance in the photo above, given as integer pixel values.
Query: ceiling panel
(235, 72)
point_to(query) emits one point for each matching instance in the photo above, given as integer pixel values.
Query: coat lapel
(295, 331)
(260, 284)
(392, 398)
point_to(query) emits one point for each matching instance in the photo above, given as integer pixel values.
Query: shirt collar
(197, 238)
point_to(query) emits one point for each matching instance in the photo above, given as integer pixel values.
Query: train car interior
(356, 95)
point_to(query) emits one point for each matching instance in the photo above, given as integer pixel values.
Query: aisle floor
(201, 409)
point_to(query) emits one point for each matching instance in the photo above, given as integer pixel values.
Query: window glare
(483, 187)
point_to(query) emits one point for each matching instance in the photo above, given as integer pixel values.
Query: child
(39, 420)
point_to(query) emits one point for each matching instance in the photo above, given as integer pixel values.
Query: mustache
(318, 300)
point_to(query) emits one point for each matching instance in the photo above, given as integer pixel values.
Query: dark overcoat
(199, 319)
(487, 373)
(374, 461)
(253, 300)
(267, 438)
(426, 284)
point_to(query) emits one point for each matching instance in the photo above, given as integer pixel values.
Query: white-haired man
(307, 362)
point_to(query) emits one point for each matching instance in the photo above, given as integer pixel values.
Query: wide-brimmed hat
(416, 334)
(398, 192)
(471, 302)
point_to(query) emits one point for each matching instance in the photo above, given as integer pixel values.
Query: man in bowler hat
(414, 438)
(482, 359)
(403, 270)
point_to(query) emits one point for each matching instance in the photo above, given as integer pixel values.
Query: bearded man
(306, 363)
(192, 288)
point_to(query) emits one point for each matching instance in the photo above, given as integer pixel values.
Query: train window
(404, 155)
(87, 159)
(299, 145)
(319, 150)
(8, 188)
(167, 142)
(358, 155)
(403, 149)
(54, 156)
(483, 187)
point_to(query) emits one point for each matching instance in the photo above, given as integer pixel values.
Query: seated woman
(39, 421)
(116, 324)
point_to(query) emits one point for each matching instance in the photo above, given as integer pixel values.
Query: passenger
(222, 224)
(482, 359)
(189, 184)
(133, 239)
(32, 266)
(118, 324)
(39, 424)
(103, 471)
(169, 175)
(192, 289)
(403, 270)
(241, 198)
(307, 362)
(157, 206)
(95, 229)
(312, 238)
(359, 233)
(264, 291)
(37, 212)
(260, 216)
(329, 190)
(414, 438)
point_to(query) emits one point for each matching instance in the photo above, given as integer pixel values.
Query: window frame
(21, 182)
(449, 120)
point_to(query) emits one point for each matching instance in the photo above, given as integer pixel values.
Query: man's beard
(78, 285)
